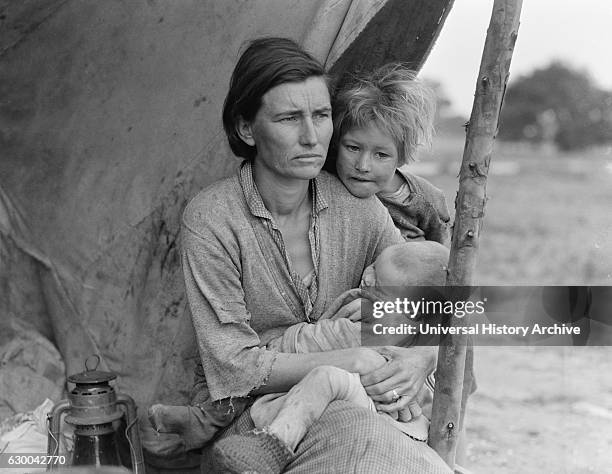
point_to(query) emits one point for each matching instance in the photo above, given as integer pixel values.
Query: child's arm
(419, 211)
(433, 217)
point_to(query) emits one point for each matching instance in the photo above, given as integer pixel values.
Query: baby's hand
(350, 311)
(412, 411)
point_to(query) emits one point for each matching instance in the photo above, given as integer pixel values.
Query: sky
(578, 32)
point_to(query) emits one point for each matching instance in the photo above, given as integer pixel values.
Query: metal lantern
(92, 407)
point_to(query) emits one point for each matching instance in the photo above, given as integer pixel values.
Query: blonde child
(380, 121)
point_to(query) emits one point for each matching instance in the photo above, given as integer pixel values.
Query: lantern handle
(53, 432)
(132, 432)
(97, 357)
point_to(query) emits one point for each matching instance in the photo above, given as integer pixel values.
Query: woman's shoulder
(213, 204)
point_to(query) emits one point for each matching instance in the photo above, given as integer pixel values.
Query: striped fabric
(350, 439)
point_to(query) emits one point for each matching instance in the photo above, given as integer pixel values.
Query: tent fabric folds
(109, 124)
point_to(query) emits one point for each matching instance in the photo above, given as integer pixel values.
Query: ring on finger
(396, 396)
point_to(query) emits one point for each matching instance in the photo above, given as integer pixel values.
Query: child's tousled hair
(395, 100)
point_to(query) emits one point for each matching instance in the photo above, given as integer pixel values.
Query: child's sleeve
(439, 225)
(436, 223)
(427, 204)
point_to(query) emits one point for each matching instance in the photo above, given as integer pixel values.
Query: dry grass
(548, 224)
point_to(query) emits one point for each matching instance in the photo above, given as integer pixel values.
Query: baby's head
(379, 122)
(419, 263)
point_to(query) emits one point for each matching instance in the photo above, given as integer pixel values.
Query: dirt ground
(541, 410)
(547, 222)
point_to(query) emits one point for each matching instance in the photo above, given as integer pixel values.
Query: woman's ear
(245, 132)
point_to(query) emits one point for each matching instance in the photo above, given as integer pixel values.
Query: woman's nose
(363, 163)
(308, 136)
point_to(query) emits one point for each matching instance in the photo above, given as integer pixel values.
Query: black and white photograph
(306, 236)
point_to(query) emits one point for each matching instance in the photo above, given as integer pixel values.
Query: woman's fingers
(379, 375)
(407, 409)
(350, 311)
(391, 375)
(383, 391)
(339, 302)
(390, 352)
(355, 317)
(390, 396)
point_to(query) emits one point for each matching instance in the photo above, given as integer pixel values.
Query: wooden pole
(469, 206)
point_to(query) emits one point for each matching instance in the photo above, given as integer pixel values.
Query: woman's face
(366, 162)
(291, 130)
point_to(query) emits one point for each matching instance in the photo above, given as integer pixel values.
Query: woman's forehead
(306, 96)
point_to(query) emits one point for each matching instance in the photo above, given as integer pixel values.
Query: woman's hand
(347, 305)
(402, 376)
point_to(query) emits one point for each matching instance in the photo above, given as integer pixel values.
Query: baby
(282, 420)
(380, 121)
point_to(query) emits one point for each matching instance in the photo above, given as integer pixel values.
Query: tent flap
(109, 124)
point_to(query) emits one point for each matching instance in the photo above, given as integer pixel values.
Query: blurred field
(541, 410)
(548, 222)
(549, 216)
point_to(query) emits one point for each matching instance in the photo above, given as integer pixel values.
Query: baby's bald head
(420, 263)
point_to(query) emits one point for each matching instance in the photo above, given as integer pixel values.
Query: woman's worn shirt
(239, 280)
(418, 209)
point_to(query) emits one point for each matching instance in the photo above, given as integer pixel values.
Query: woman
(273, 246)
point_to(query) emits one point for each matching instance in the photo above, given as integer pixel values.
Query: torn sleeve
(233, 362)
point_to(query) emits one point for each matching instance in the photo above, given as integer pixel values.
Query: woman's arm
(233, 362)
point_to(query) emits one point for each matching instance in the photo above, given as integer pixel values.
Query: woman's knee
(358, 440)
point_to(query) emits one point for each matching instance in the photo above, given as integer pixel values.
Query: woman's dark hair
(266, 63)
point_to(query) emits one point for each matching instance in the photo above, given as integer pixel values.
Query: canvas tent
(109, 123)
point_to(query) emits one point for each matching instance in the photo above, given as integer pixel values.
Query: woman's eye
(352, 148)
(381, 156)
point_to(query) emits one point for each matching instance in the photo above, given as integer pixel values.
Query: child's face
(367, 158)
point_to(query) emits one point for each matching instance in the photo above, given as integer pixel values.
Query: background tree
(442, 101)
(447, 122)
(557, 104)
